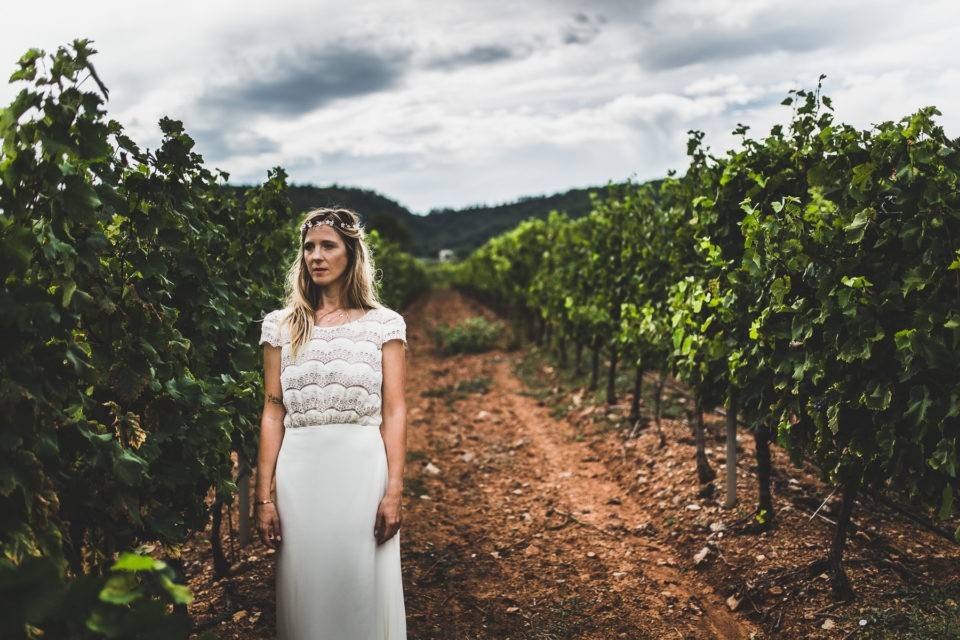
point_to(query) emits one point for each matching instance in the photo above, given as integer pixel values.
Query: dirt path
(518, 531)
(512, 528)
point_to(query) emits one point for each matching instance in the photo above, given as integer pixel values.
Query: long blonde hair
(302, 295)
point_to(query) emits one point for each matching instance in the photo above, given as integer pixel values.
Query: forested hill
(461, 230)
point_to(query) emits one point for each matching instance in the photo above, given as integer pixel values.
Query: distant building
(446, 255)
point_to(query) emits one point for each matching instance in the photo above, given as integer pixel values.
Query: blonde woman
(333, 436)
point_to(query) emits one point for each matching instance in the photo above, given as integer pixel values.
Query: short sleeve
(394, 328)
(270, 329)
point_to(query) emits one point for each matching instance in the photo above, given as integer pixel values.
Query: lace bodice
(336, 377)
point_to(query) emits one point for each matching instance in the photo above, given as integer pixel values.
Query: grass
(462, 389)
(913, 613)
(415, 455)
(414, 487)
(473, 335)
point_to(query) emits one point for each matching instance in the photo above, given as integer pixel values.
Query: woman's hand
(388, 517)
(268, 522)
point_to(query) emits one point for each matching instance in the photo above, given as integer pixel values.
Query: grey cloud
(773, 30)
(583, 30)
(484, 54)
(220, 143)
(694, 47)
(299, 82)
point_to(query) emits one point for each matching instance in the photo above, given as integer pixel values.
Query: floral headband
(333, 223)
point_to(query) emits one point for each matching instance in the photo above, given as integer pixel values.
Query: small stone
(761, 557)
(591, 554)
(701, 555)
(467, 456)
(513, 609)
(693, 507)
(732, 603)
(828, 624)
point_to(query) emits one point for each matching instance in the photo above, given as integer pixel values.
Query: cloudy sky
(452, 103)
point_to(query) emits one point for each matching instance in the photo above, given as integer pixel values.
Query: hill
(424, 235)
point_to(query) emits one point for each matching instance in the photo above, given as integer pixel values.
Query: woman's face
(325, 254)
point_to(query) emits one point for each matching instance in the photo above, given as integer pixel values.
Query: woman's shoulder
(273, 329)
(277, 316)
(385, 314)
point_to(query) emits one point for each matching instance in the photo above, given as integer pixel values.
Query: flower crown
(330, 221)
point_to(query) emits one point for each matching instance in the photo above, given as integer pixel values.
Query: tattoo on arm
(274, 399)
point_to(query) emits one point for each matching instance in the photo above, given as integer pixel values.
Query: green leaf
(833, 418)
(130, 468)
(179, 593)
(854, 230)
(946, 502)
(121, 589)
(68, 289)
(129, 561)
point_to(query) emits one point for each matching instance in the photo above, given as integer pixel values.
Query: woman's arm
(271, 436)
(394, 432)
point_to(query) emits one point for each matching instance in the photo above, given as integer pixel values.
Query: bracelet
(263, 501)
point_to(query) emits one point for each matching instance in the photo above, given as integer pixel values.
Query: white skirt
(333, 581)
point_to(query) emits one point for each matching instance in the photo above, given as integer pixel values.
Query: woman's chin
(321, 278)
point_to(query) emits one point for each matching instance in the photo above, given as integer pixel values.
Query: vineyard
(131, 371)
(804, 289)
(808, 282)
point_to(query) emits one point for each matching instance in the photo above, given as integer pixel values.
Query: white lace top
(336, 377)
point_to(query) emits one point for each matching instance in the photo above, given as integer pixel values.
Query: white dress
(333, 582)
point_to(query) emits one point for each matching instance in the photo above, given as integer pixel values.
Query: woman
(333, 430)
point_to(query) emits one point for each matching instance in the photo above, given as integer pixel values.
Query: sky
(453, 103)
